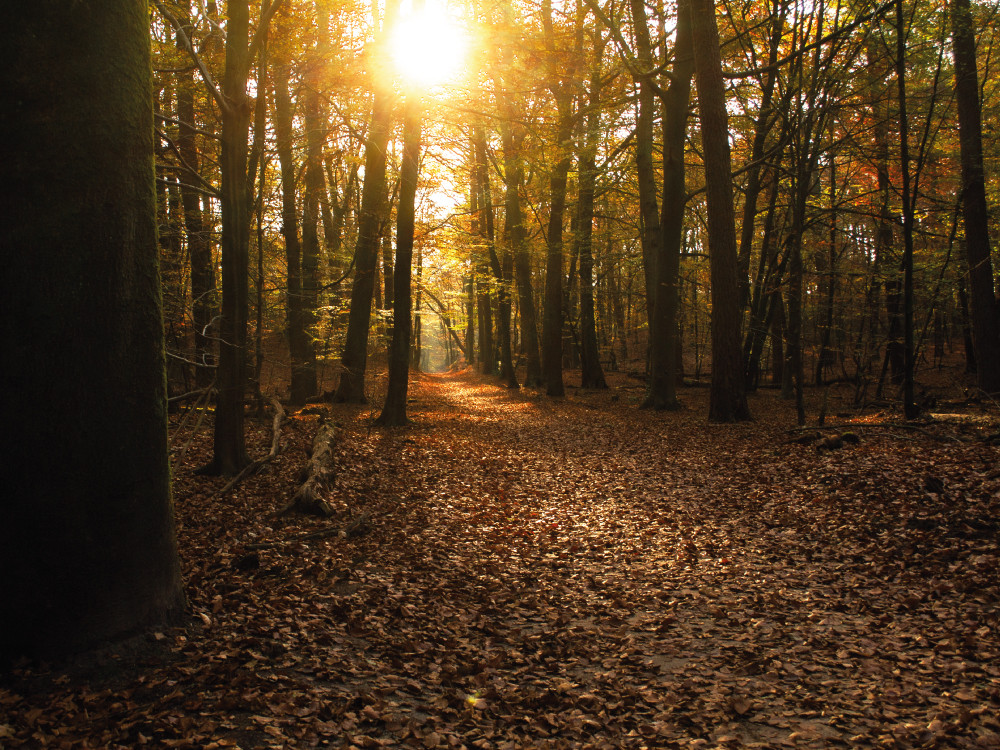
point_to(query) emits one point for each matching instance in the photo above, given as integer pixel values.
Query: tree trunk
(663, 350)
(762, 128)
(727, 398)
(829, 284)
(507, 373)
(298, 342)
(516, 236)
(351, 387)
(470, 321)
(649, 211)
(199, 247)
(909, 406)
(315, 187)
(230, 453)
(87, 544)
(394, 409)
(985, 323)
(591, 373)
(552, 321)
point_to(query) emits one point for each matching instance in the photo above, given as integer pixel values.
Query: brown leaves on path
(569, 573)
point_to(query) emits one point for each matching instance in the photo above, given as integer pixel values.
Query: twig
(356, 527)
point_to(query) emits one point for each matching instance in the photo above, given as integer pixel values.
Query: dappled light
(486, 376)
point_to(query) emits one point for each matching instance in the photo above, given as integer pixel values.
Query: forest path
(591, 573)
(569, 573)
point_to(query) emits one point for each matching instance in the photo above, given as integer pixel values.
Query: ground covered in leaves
(514, 571)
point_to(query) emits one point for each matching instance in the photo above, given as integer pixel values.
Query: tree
(199, 247)
(591, 373)
(351, 387)
(663, 360)
(302, 385)
(985, 323)
(394, 409)
(236, 108)
(87, 545)
(552, 320)
(728, 402)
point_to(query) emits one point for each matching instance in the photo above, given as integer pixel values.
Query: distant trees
(769, 242)
(87, 541)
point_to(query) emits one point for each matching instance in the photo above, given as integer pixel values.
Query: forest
(500, 374)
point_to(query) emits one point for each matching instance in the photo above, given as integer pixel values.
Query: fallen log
(310, 497)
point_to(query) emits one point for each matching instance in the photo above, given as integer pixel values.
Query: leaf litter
(569, 573)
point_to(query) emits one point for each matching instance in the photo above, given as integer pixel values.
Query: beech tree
(985, 322)
(87, 543)
(728, 396)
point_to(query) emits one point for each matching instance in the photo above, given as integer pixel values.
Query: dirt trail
(578, 573)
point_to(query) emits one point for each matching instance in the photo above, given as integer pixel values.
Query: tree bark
(351, 387)
(315, 186)
(295, 327)
(985, 322)
(591, 372)
(552, 321)
(517, 239)
(507, 373)
(229, 444)
(394, 409)
(727, 398)
(199, 247)
(87, 543)
(663, 350)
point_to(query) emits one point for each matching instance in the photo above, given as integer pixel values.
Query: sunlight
(428, 46)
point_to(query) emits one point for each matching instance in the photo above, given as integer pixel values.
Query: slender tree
(394, 409)
(591, 372)
(351, 387)
(552, 322)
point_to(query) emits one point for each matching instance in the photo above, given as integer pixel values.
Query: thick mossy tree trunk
(87, 543)
(727, 398)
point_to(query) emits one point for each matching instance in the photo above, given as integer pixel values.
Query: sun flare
(429, 47)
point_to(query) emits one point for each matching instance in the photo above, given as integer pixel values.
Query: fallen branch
(254, 466)
(190, 395)
(877, 425)
(356, 527)
(309, 497)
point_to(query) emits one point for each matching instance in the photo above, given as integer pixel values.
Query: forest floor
(516, 571)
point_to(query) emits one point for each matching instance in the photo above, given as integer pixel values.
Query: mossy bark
(87, 542)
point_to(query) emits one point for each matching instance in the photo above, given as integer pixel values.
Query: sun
(428, 47)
